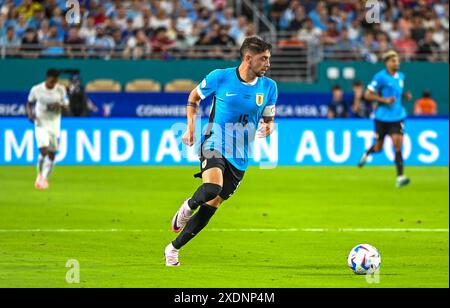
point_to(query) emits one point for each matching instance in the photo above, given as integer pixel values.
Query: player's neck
(391, 72)
(246, 75)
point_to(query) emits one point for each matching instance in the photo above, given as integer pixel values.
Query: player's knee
(43, 151)
(215, 203)
(378, 148)
(211, 191)
(51, 156)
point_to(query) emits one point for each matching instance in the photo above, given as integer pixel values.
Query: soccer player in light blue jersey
(387, 89)
(243, 107)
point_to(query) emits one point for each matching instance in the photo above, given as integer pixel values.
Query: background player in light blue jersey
(387, 89)
(242, 96)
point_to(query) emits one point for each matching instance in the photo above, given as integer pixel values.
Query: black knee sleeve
(204, 193)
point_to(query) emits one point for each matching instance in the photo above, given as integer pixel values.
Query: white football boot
(182, 217)
(171, 255)
(403, 181)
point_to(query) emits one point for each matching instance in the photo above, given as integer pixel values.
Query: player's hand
(56, 107)
(265, 129)
(389, 100)
(32, 118)
(189, 137)
(408, 96)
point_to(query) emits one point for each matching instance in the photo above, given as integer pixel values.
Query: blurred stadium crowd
(136, 29)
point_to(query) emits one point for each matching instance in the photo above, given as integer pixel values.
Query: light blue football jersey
(389, 86)
(236, 111)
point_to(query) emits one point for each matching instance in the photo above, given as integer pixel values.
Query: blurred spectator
(417, 29)
(340, 24)
(101, 45)
(425, 106)
(288, 15)
(319, 15)
(88, 31)
(74, 44)
(30, 44)
(344, 43)
(369, 48)
(119, 42)
(138, 46)
(310, 34)
(161, 20)
(428, 50)
(384, 44)
(121, 18)
(361, 108)
(277, 9)
(184, 24)
(296, 23)
(228, 18)
(338, 108)
(100, 16)
(36, 20)
(10, 41)
(2, 25)
(238, 32)
(222, 38)
(406, 46)
(53, 43)
(329, 39)
(161, 43)
(28, 7)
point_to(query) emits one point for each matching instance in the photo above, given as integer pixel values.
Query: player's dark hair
(256, 45)
(337, 87)
(53, 73)
(358, 83)
(426, 94)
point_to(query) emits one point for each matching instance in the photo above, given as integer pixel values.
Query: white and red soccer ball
(364, 259)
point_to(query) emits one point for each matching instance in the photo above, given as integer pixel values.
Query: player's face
(260, 63)
(51, 82)
(393, 64)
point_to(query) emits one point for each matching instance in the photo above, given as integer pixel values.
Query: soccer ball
(364, 259)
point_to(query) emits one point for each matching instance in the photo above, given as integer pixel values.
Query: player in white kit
(45, 103)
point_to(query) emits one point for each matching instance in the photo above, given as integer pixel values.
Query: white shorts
(47, 137)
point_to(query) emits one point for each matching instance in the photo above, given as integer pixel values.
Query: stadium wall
(157, 142)
(21, 74)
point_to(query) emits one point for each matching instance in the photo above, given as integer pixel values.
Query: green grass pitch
(139, 202)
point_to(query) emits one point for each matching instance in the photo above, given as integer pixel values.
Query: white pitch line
(394, 230)
(415, 230)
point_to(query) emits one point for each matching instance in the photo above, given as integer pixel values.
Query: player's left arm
(63, 104)
(407, 95)
(267, 125)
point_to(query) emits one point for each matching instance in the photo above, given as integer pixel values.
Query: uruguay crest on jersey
(259, 99)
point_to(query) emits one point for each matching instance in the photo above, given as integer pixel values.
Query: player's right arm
(206, 88)
(30, 105)
(374, 88)
(191, 112)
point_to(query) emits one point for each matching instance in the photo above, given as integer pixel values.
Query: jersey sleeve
(269, 110)
(209, 85)
(273, 96)
(32, 95)
(376, 83)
